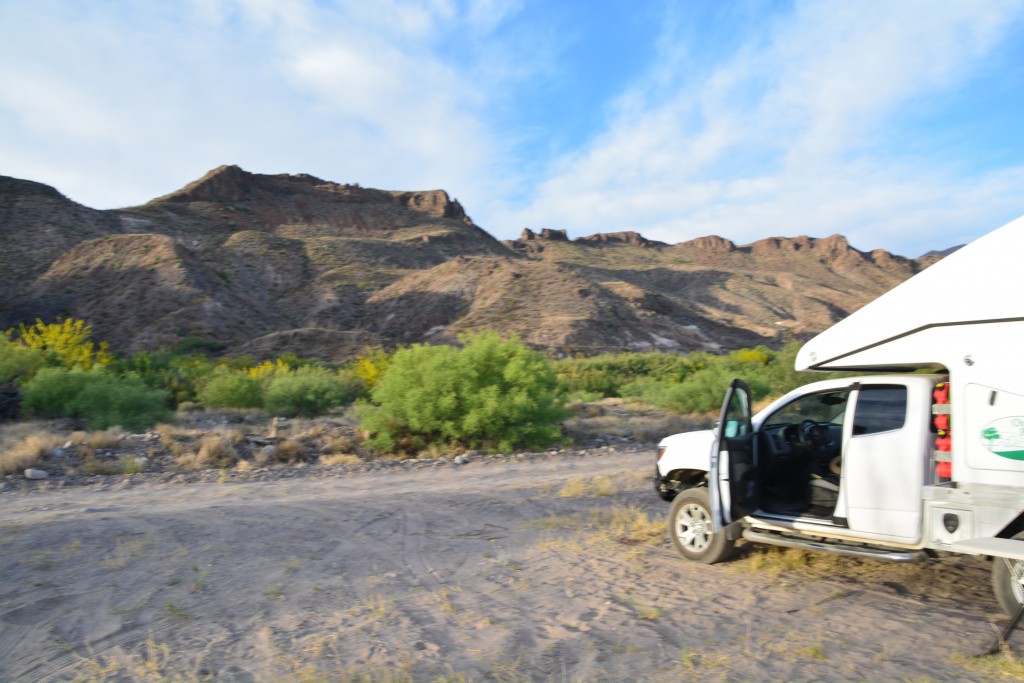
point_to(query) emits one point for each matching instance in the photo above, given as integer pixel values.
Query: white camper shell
(924, 455)
(965, 315)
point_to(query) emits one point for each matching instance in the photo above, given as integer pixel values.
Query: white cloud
(120, 102)
(786, 131)
(784, 137)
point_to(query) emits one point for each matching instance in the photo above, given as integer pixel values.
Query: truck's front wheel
(691, 531)
(1008, 582)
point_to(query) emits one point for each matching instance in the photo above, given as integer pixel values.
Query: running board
(996, 547)
(835, 548)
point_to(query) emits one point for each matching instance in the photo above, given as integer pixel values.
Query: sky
(897, 124)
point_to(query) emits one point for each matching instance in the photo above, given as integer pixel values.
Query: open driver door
(733, 480)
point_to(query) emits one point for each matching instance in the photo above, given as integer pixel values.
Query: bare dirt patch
(482, 572)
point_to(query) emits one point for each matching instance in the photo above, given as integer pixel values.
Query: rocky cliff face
(37, 225)
(273, 263)
(231, 256)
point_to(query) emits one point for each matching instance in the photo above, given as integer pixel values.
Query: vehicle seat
(824, 495)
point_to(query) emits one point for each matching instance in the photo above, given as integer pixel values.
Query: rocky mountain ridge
(265, 264)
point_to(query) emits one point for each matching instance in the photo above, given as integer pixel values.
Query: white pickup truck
(922, 456)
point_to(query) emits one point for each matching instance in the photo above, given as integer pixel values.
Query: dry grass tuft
(773, 561)
(645, 612)
(628, 524)
(435, 451)
(376, 607)
(599, 486)
(215, 450)
(289, 450)
(339, 444)
(108, 438)
(27, 452)
(341, 459)
(171, 435)
(307, 429)
(126, 464)
(234, 435)
(620, 524)
(263, 457)
(1002, 666)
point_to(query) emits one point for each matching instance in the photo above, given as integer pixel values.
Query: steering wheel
(805, 432)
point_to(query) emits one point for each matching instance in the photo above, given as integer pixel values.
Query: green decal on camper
(1005, 437)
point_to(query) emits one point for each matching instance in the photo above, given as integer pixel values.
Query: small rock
(461, 459)
(68, 444)
(36, 474)
(58, 452)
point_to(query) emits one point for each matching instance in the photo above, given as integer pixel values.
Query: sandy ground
(476, 573)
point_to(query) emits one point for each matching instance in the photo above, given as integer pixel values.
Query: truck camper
(922, 455)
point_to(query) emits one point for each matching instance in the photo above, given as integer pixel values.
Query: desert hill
(265, 264)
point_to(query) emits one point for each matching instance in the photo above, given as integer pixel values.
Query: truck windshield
(825, 407)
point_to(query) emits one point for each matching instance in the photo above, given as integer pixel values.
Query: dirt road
(505, 572)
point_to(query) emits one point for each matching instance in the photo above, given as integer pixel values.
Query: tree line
(489, 392)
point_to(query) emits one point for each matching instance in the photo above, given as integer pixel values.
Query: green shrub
(197, 344)
(702, 392)
(17, 361)
(304, 392)
(180, 376)
(607, 373)
(231, 390)
(354, 385)
(102, 398)
(123, 401)
(51, 391)
(492, 393)
(703, 389)
(767, 372)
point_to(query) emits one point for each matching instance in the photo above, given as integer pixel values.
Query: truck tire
(689, 521)
(1008, 582)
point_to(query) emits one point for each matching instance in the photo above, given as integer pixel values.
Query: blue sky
(897, 124)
